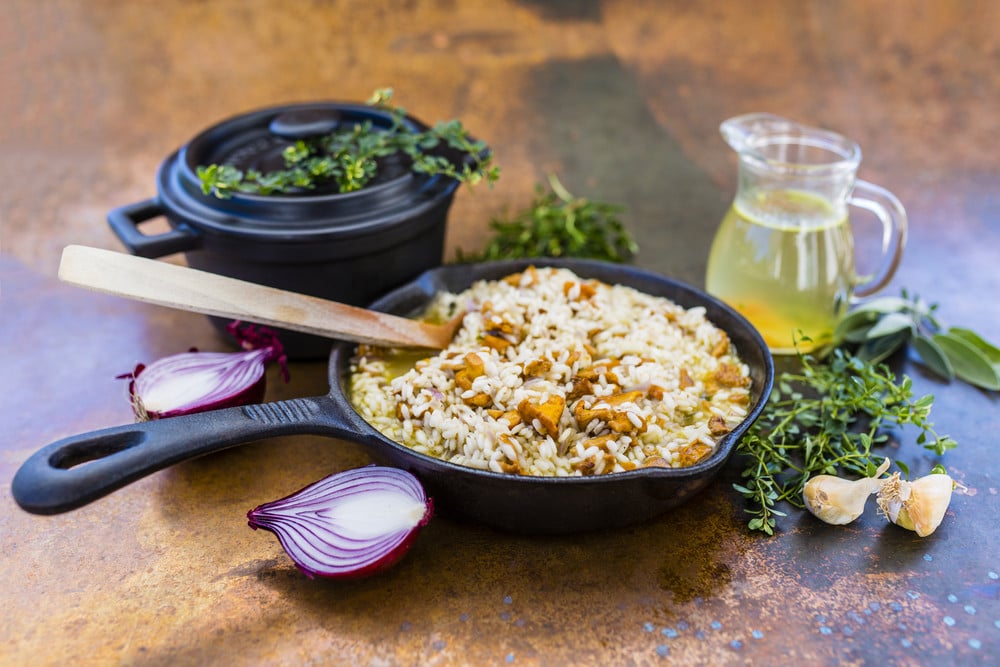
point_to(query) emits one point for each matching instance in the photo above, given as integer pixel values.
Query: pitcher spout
(740, 130)
(781, 146)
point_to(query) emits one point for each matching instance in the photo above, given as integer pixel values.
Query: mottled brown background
(622, 100)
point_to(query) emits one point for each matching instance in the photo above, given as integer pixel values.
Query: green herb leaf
(558, 224)
(988, 349)
(889, 324)
(881, 326)
(854, 326)
(876, 350)
(885, 304)
(933, 356)
(969, 363)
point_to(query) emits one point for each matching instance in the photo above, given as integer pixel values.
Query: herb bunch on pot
(298, 196)
(350, 157)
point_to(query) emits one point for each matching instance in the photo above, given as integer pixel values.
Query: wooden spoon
(197, 291)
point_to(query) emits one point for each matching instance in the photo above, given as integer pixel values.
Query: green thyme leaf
(559, 224)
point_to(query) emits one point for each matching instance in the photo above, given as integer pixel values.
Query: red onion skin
(384, 562)
(251, 338)
(252, 394)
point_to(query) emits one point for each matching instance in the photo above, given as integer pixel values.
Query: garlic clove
(839, 501)
(891, 495)
(919, 505)
(929, 500)
(834, 500)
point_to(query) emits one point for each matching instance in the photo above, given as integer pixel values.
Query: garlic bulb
(918, 505)
(840, 501)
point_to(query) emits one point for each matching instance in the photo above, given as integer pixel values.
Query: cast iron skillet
(52, 480)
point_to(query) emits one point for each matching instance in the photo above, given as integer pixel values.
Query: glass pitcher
(784, 254)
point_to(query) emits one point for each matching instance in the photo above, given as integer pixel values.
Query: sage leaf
(854, 326)
(884, 304)
(933, 356)
(991, 351)
(890, 324)
(969, 362)
(875, 350)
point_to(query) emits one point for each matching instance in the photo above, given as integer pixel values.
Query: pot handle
(125, 221)
(77, 470)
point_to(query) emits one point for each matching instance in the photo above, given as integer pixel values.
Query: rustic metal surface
(622, 100)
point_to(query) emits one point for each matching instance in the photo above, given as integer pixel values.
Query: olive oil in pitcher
(785, 260)
(784, 253)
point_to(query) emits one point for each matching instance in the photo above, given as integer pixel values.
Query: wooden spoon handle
(197, 291)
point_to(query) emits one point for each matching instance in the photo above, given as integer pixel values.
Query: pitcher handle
(890, 212)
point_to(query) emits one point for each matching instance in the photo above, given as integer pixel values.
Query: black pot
(349, 247)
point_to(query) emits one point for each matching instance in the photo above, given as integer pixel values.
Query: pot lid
(257, 140)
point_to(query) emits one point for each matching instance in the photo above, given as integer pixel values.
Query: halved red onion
(196, 381)
(351, 524)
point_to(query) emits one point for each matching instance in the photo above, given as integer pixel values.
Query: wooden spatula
(197, 291)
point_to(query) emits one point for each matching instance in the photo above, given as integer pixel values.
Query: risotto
(552, 374)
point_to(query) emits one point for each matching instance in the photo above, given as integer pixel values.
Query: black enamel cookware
(53, 479)
(349, 247)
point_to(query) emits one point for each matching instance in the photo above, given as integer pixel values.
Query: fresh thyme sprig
(349, 157)
(559, 224)
(825, 419)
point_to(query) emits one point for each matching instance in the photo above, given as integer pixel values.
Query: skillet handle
(77, 470)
